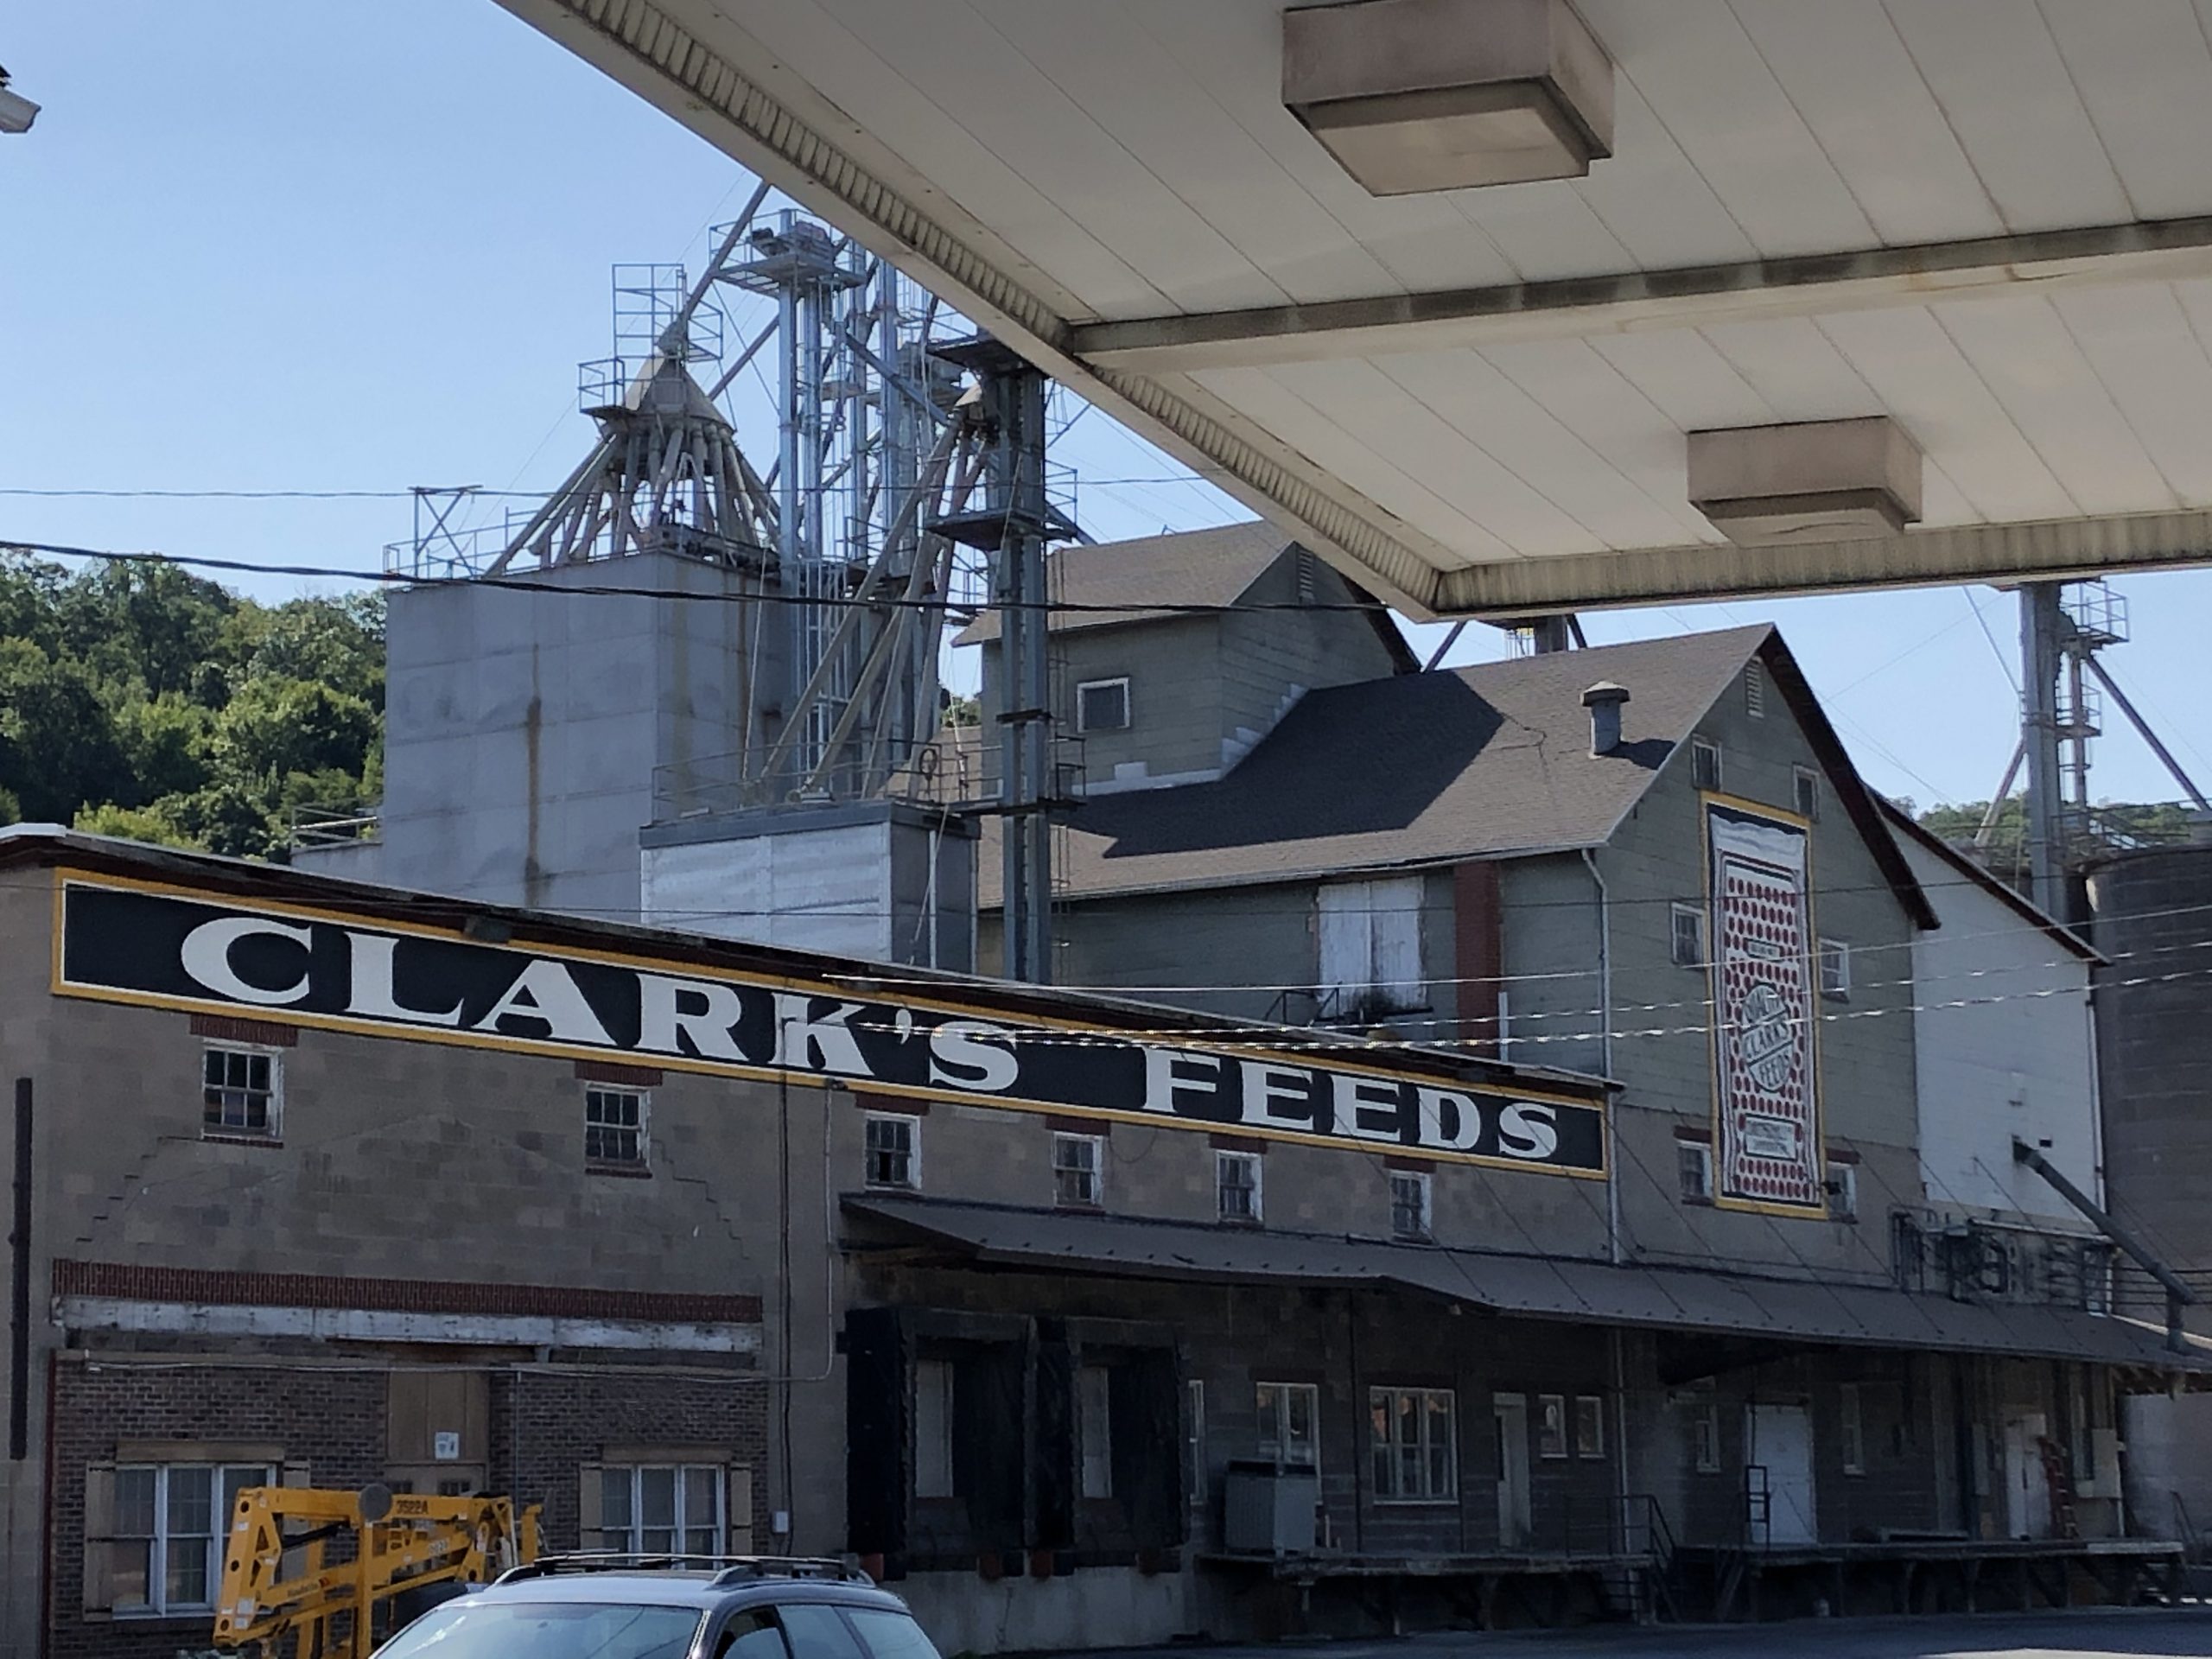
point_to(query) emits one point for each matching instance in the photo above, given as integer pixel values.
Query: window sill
(1446, 1501)
(891, 1186)
(231, 1138)
(621, 1172)
(141, 1617)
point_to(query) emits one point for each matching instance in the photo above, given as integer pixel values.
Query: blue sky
(361, 245)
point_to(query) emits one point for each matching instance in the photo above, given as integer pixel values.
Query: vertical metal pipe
(2040, 623)
(1036, 731)
(19, 1297)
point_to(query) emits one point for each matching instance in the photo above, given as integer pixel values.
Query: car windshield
(473, 1628)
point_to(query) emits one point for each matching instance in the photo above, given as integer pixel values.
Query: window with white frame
(1289, 1416)
(615, 1126)
(1755, 690)
(1805, 789)
(1705, 1437)
(1705, 763)
(1102, 706)
(170, 1522)
(1685, 941)
(1079, 1171)
(1843, 1191)
(1851, 1430)
(1093, 1428)
(1409, 1200)
(1694, 1163)
(1416, 1443)
(893, 1150)
(933, 1384)
(663, 1508)
(1589, 1426)
(1551, 1426)
(1237, 1185)
(1835, 970)
(242, 1091)
(1370, 936)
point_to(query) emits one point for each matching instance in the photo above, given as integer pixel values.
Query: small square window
(1805, 786)
(1705, 763)
(893, 1151)
(1843, 1191)
(1102, 706)
(615, 1126)
(1079, 1171)
(1835, 970)
(1551, 1426)
(1409, 1197)
(1589, 1426)
(1694, 1161)
(1236, 1185)
(1686, 943)
(241, 1092)
(1755, 690)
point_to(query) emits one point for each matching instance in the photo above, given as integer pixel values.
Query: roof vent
(1604, 701)
(1422, 95)
(1813, 481)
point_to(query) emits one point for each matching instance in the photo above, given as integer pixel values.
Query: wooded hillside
(142, 701)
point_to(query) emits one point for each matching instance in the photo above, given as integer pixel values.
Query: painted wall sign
(168, 947)
(1766, 1074)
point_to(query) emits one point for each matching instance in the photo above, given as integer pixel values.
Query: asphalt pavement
(2183, 1633)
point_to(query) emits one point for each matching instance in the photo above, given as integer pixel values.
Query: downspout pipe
(2179, 1295)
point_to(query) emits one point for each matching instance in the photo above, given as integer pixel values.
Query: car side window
(751, 1635)
(817, 1632)
(890, 1635)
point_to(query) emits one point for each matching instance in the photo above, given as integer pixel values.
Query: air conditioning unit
(1267, 1510)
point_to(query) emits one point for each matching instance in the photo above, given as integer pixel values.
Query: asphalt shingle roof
(1192, 567)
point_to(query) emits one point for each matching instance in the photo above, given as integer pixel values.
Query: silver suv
(606, 1606)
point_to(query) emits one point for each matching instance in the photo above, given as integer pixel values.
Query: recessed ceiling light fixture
(1422, 95)
(1811, 481)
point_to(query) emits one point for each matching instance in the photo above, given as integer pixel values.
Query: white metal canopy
(1990, 220)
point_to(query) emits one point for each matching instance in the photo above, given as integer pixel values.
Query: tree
(58, 743)
(138, 700)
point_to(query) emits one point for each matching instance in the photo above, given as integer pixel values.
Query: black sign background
(124, 943)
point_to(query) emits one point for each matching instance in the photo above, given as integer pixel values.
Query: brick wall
(543, 1425)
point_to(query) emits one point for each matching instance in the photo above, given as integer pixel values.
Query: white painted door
(1514, 1520)
(2027, 1488)
(1779, 1440)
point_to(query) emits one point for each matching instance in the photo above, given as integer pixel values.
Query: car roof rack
(726, 1570)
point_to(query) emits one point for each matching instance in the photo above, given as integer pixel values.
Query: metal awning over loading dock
(1731, 1305)
(1283, 245)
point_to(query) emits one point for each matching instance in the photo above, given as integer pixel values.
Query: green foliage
(141, 701)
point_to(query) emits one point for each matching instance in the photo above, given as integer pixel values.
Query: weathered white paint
(363, 1325)
(2021, 1063)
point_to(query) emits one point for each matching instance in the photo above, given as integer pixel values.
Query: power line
(598, 590)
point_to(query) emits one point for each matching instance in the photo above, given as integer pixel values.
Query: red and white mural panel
(1766, 1078)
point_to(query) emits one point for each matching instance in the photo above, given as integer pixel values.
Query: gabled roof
(1486, 762)
(1973, 874)
(1155, 574)
(1190, 567)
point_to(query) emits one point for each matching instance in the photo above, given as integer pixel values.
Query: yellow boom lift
(283, 1599)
